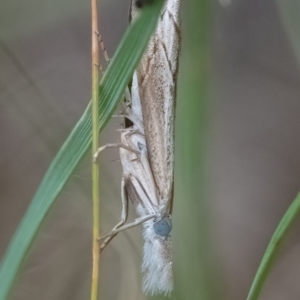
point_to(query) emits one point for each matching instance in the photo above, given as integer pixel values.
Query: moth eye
(163, 227)
(138, 3)
(141, 3)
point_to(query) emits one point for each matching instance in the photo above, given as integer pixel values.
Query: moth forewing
(157, 74)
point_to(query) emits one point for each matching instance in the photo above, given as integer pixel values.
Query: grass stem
(95, 145)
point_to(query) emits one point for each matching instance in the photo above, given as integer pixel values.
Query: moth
(147, 147)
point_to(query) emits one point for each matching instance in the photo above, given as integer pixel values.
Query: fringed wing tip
(157, 264)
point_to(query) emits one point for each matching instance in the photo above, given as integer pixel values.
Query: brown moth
(147, 147)
(156, 78)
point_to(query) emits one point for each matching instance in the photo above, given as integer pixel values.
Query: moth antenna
(100, 40)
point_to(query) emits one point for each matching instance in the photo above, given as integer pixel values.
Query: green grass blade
(290, 12)
(195, 267)
(273, 249)
(112, 87)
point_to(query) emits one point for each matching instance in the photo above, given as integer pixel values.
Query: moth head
(163, 227)
(135, 6)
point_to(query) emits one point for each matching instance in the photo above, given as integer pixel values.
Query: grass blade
(195, 266)
(273, 249)
(290, 11)
(111, 89)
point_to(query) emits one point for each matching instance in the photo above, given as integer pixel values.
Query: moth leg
(115, 145)
(136, 222)
(124, 214)
(120, 226)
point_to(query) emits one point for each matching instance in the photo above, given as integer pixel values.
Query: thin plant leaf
(290, 12)
(78, 143)
(195, 261)
(273, 249)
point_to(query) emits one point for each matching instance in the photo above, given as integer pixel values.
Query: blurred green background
(247, 127)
